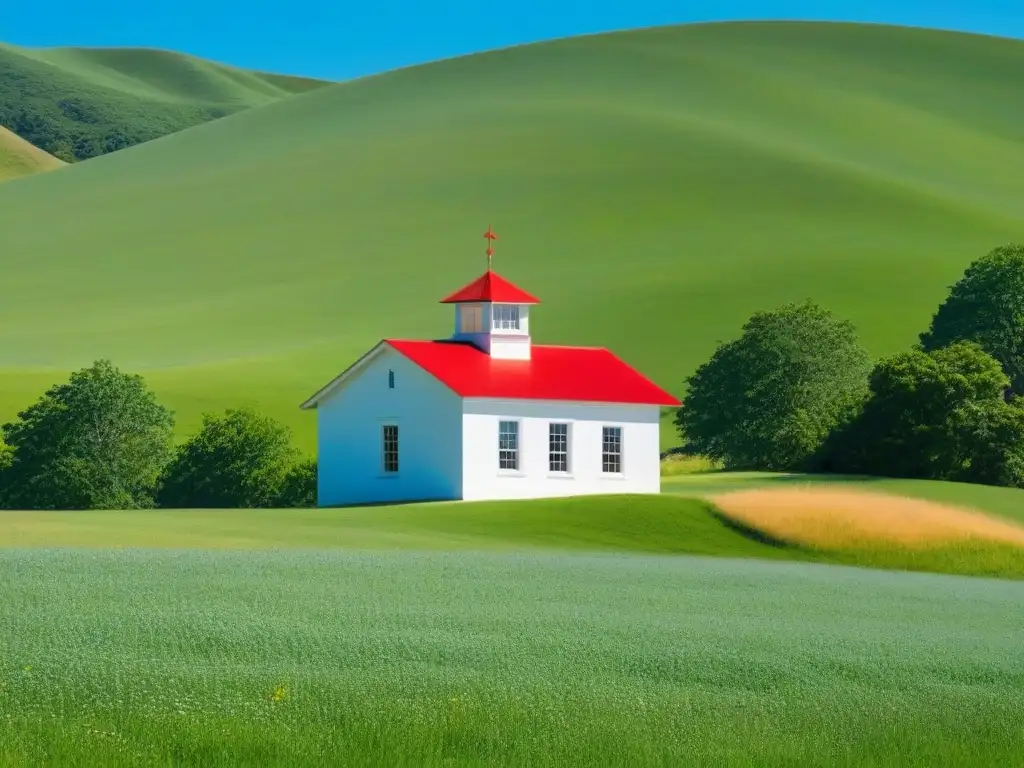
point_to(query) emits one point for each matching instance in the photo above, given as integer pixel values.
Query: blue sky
(338, 39)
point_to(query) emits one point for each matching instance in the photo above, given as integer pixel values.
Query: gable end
(345, 376)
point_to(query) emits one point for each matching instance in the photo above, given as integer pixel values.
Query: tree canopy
(97, 441)
(768, 399)
(299, 486)
(986, 306)
(938, 415)
(241, 459)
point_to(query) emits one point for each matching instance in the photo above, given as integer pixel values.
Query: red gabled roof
(582, 374)
(491, 286)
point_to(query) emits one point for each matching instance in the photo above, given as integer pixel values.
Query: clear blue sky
(337, 39)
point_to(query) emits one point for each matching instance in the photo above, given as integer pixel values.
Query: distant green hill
(652, 187)
(19, 158)
(77, 103)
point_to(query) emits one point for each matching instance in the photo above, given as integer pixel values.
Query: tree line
(103, 441)
(797, 391)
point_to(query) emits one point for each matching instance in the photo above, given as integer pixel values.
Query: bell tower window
(506, 317)
(471, 318)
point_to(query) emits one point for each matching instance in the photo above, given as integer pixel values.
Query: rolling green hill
(19, 158)
(653, 187)
(675, 523)
(77, 103)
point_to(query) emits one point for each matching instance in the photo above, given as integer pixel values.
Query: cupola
(492, 313)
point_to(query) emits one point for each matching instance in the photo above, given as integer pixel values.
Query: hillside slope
(653, 188)
(77, 103)
(19, 158)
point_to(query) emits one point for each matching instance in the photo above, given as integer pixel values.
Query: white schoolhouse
(486, 414)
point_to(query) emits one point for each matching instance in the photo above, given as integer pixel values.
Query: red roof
(582, 374)
(491, 286)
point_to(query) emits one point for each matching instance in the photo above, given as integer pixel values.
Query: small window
(505, 316)
(611, 450)
(508, 445)
(391, 379)
(390, 439)
(558, 447)
(471, 319)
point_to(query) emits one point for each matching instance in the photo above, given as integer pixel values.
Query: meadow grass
(250, 259)
(144, 657)
(666, 524)
(675, 465)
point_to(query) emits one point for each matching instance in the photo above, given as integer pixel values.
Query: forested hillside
(80, 103)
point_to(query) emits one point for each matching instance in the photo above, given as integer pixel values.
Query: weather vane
(490, 237)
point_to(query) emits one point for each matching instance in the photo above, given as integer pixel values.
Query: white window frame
(384, 427)
(506, 317)
(566, 452)
(605, 453)
(516, 451)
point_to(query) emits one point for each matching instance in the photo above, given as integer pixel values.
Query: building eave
(329, 388)
(606, 403)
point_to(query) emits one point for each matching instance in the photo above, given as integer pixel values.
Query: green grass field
(19, 158)
(563, 632)
(679, 522)
(145, 658)
(699, 173)
(77, 103)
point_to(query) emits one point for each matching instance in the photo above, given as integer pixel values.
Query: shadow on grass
(755, 534)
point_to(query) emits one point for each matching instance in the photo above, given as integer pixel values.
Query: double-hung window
(505, 317)
(389, 439)
(611, 450)
(508, 445)
(558, 447)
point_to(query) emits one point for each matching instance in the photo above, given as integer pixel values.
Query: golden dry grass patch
(843, 519)
(18, 157)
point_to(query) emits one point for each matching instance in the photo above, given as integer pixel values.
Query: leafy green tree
(62, 150)
(299, 486)
(238, 460)
(938, 415)
(769, 399)
(6, 459)
(98, 441)
(992, 434)
(986, 306)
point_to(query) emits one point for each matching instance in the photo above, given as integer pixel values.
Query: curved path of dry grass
(838, 518)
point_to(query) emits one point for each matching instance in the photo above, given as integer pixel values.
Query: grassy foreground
(250, 259)
(558, 632)
(411, 658)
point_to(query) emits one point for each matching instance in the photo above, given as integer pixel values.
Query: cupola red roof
(491, 286)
